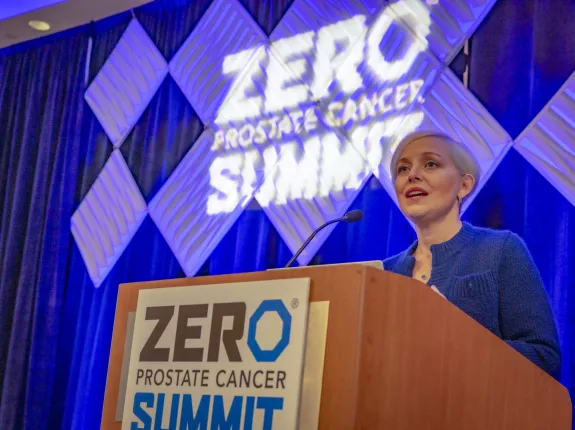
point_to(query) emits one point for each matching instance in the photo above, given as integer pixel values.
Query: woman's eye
(402, 169)
(431, 164)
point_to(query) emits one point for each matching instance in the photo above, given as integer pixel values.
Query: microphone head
(353, 216)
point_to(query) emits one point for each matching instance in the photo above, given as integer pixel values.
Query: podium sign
(218, 356)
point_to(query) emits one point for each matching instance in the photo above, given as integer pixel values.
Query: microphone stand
(351, 216)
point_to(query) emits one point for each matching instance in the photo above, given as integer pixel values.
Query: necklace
(423, 276)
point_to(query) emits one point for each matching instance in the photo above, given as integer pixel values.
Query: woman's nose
(414, 175)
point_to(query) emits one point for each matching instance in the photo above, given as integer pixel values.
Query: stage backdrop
(189, 138)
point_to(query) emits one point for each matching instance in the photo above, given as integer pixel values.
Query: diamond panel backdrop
(374, 72)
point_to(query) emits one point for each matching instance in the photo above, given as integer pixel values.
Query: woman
(488, 274)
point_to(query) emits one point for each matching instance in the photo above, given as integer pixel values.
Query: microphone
(351, 216)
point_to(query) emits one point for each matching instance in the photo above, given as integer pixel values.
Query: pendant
(423, 276)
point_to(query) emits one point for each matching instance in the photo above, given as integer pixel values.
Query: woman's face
(428, 183)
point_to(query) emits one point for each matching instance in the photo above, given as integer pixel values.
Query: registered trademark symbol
(294, 303)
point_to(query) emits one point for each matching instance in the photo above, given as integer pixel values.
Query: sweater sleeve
(526, 319)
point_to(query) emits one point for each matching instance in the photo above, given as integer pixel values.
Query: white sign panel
(224, 356)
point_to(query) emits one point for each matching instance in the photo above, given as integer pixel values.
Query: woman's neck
(436, 232)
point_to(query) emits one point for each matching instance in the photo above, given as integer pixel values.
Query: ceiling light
(39, 25)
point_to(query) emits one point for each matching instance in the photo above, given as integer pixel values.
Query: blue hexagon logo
(271, 355)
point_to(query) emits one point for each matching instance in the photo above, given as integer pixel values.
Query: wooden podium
(398, 356)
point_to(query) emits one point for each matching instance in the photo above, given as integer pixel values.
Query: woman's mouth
(415, 193)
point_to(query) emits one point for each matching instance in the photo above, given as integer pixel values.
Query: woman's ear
(467, 184)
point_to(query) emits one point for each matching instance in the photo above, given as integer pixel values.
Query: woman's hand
(434, 288)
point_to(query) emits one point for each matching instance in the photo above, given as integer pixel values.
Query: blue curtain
(41, 109)
(56, 328)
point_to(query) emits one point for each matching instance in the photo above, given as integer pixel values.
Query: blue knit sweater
(490, 275)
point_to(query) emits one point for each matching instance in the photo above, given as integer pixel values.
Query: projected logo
(316, 112)
(298, 121)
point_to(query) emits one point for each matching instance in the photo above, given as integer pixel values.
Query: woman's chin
(416, 214)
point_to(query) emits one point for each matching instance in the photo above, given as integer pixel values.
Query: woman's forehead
(423, 145)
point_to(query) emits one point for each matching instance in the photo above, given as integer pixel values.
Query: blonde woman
(488, 274)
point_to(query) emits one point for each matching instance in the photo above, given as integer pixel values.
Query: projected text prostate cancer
(376, 106)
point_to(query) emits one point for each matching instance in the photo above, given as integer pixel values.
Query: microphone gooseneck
(351, 216)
